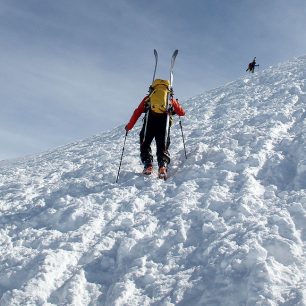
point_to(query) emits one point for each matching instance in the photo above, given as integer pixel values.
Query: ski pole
(180, 122)
(121, 157)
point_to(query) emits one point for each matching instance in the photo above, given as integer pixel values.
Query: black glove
(171, 110)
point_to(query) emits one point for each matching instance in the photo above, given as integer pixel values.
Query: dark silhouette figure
(252, 65)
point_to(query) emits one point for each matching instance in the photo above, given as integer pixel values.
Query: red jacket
(142, 108)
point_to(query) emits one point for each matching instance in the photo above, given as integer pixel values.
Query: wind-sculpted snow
(227, 228)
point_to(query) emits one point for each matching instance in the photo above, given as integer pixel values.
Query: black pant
(156, 128)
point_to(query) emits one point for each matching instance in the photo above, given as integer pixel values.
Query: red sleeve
(137, 112)
(178, 109)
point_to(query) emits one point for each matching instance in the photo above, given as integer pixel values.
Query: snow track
(226, 228)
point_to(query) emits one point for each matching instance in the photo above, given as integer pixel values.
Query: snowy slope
(227, 228)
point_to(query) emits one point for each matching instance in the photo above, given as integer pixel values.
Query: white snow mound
(227, 228)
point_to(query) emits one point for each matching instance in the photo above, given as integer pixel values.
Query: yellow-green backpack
(159, 95)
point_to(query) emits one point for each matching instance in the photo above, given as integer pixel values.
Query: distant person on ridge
(157, 108)
(252, 65)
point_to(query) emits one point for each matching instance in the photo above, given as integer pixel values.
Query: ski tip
(163, 177)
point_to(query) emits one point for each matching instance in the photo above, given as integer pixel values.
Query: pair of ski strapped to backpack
(160, 95)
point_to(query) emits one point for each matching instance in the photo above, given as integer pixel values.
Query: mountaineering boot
(147, 169)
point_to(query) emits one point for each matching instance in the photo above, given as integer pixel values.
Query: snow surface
(227, 228)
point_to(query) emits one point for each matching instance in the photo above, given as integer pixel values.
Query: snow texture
(227, 228)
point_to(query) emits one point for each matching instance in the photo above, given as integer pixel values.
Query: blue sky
(71, 69)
